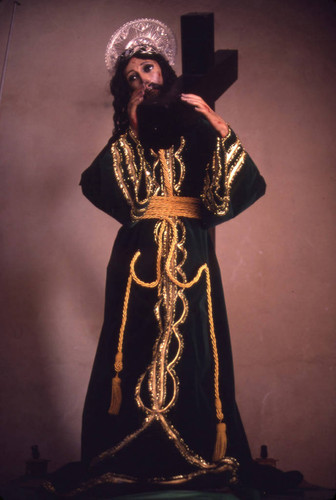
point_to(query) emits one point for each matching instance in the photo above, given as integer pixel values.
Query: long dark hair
(121, 92)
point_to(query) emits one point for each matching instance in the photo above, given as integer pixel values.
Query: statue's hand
(201, 106)
(135, 99)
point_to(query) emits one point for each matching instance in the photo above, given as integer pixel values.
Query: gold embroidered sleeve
(227, 161)
(133, 174)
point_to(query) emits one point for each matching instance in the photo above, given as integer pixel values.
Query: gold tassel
(116, 396)
(221, 442)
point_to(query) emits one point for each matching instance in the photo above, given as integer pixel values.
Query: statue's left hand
(201, 106)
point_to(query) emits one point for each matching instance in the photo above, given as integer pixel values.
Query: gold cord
(160, 207)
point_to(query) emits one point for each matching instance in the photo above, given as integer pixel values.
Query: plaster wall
(277, 258)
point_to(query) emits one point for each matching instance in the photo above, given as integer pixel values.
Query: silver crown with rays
(141, 35)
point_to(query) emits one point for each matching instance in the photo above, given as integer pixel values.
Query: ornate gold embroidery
(133, 174)
(179, 170)
(128, 439)
(160, 367)
(227, 161)
(176, 168)
(228, 464)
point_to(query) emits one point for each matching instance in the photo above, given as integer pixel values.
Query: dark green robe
(166, 427)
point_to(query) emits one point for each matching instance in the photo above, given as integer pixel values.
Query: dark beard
(153, 92)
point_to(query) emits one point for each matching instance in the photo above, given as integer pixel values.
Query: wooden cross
(205, 72)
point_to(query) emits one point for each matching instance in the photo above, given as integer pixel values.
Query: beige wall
(277, 259)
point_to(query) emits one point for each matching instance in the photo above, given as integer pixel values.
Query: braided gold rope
(155, 283)
(118, 366)
(160, 207)
(218, 403)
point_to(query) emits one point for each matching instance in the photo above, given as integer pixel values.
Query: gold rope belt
(161, 207)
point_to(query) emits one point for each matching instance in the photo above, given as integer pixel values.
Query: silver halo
(141, 32)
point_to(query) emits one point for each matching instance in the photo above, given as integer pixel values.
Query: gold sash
(161, 207)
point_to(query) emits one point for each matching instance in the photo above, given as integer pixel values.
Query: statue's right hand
(135, 99)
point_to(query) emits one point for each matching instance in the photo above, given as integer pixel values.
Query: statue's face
(143, 73)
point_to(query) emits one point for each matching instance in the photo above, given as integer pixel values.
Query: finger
(193, 102)
(190, 99)
(137, 94)
(134, 101)
(201, 107)
(197, 101)
(191, 96)
(139, 91)
(202, 110)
